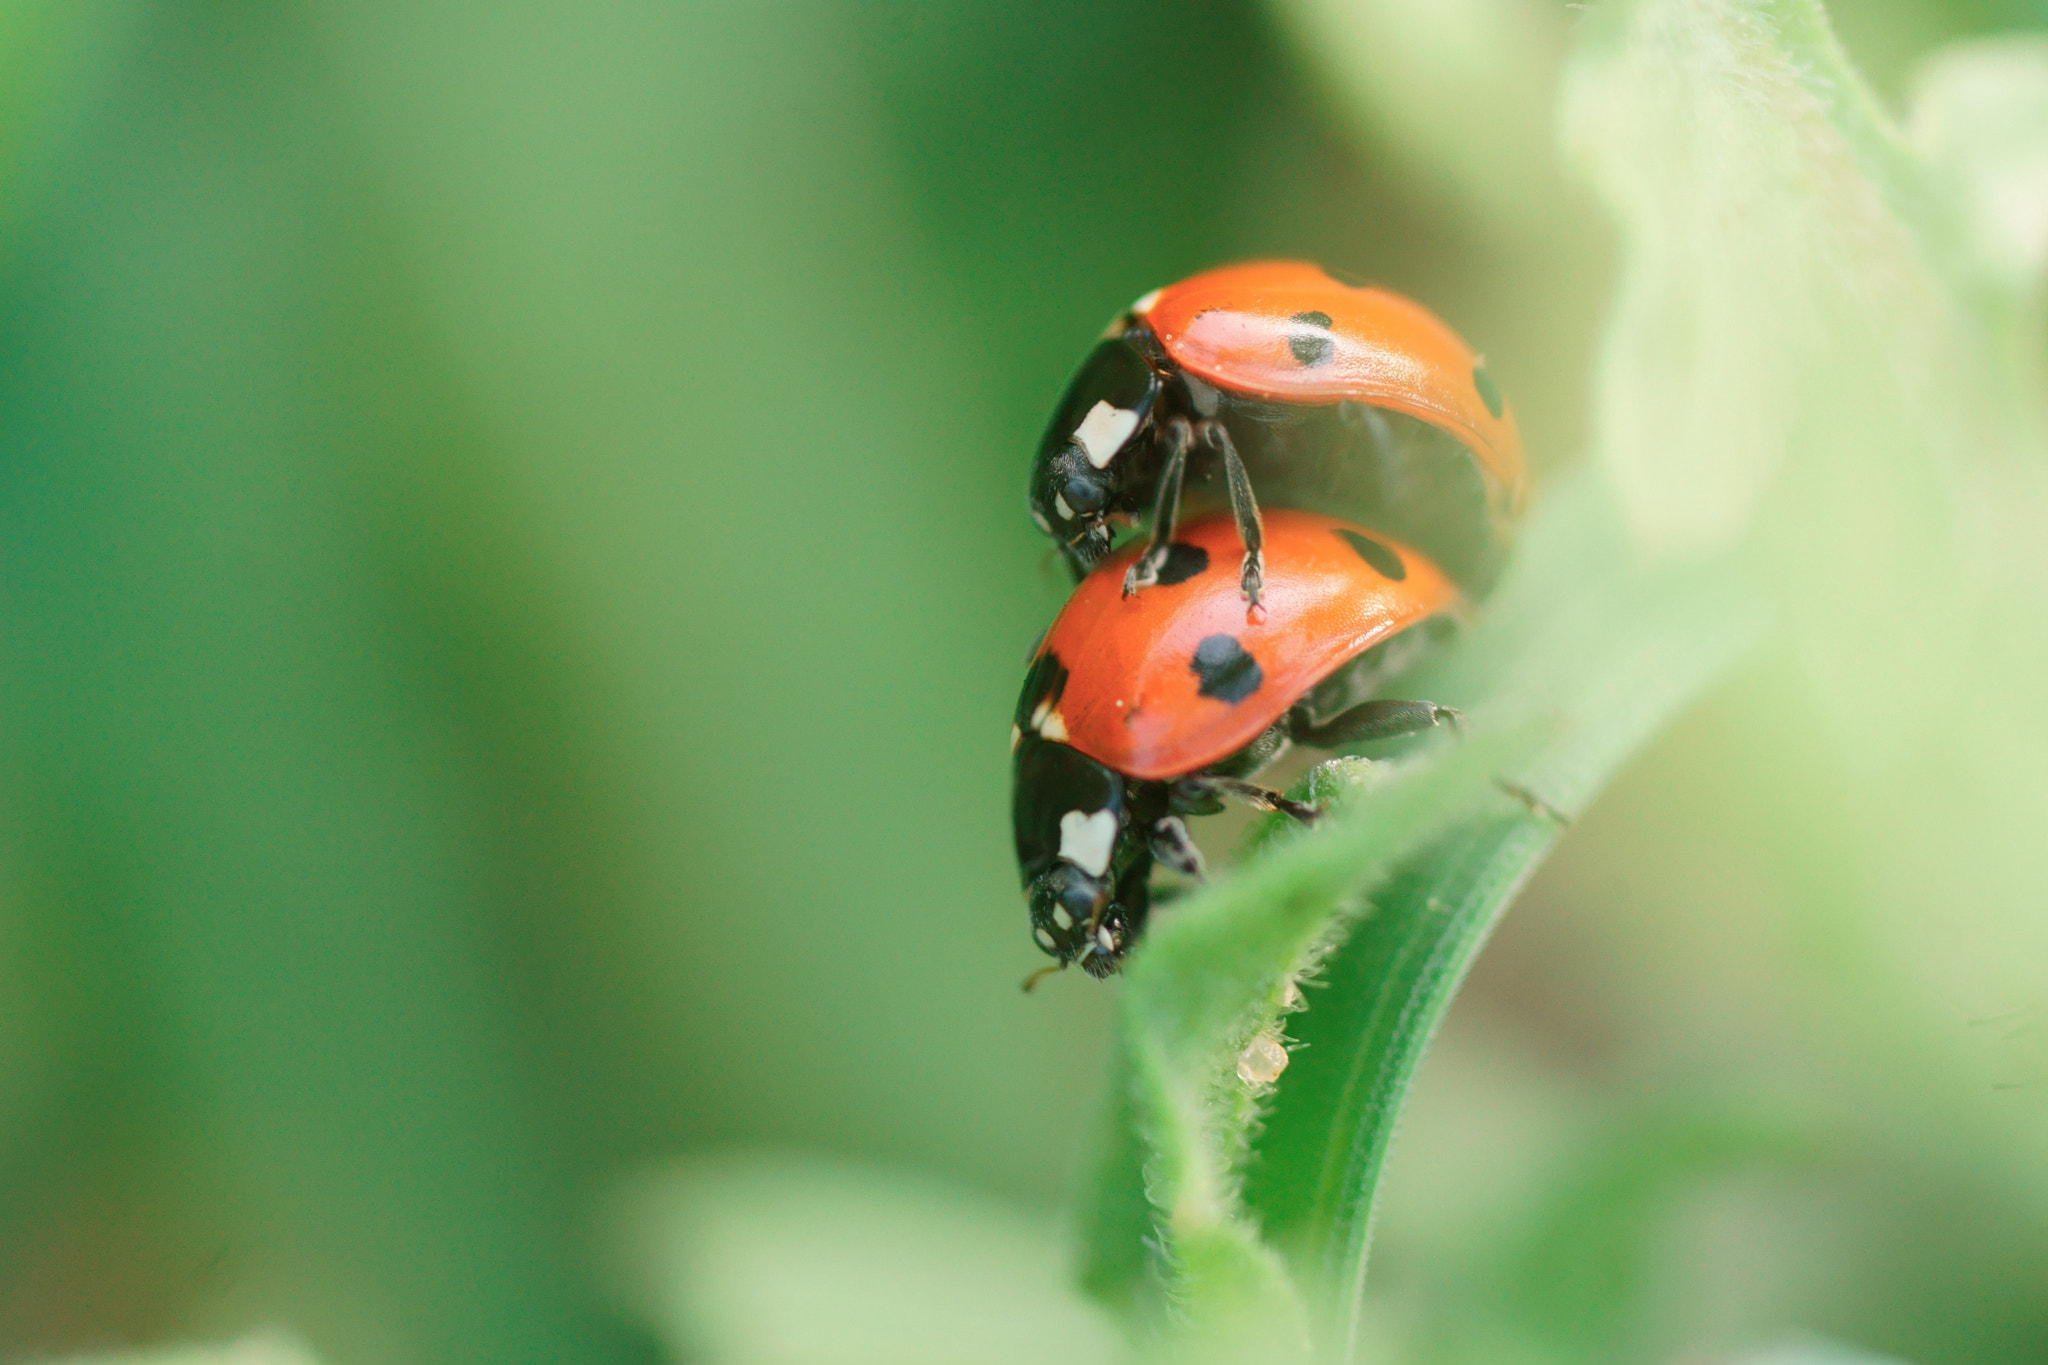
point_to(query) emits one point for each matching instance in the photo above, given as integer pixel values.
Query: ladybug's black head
(1085, 878)
(1078, 481)
(1070, 501)
(1077, 919)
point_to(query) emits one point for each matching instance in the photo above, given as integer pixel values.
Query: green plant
(1585, 654)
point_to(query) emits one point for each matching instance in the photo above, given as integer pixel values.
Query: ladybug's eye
(1071, 490)
(1077, 898)
(1085, 492)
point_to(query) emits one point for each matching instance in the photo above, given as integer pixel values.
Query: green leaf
(1826, 349)
(1783, 258)
(1583, 656)
(1801, 293)
(1458, 90)
(1580, 1275)
(807, 1261)
(1979, 122)
(261, 1348)
(1216, 979)
(1804, 1351)
(1609, 653)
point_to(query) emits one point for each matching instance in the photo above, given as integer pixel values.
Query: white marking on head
(1044, 524)
(1044, 938)
(1086, 840)
(1054, 727)
(1145, 302)
(1038, 713)
(1105, 940)
(1016, 736)
(1104, 430)
(1061, 917)
(1059, 505)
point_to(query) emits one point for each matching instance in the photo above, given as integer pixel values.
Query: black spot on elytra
(1183, 561)
(1488, 394)
(1383, 560)
(1311, 349)
(1227, 672)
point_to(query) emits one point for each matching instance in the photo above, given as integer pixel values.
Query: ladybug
(1349, 400)
(1140, 710)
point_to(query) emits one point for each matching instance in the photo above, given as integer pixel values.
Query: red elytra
(1237, 328)
(1133, 697)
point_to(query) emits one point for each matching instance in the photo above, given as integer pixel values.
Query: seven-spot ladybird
(1138, 710)
(1351, 401)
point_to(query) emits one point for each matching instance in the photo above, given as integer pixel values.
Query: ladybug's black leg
(1377, 720)
(1198, 795)
(1244, 507)
(1144, 571)
(1172, 846)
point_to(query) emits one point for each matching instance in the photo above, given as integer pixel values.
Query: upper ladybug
(1349, 401)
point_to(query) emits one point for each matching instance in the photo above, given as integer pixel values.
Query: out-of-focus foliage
(1450, 88)
(512, 573)
(771, 1257)
(262, 1348)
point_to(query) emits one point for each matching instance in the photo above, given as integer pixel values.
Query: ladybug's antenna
(1031, 981)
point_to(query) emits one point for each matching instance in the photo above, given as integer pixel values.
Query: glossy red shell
(1133, 697)
(1239, 327)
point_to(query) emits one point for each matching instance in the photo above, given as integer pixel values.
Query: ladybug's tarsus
(1172, 845)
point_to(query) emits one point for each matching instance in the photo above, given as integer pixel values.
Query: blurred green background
(514, 579)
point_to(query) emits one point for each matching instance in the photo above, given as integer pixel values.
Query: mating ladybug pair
(1201, 651)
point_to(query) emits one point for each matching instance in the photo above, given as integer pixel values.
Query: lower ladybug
(1139, 710)
(1346, 400)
